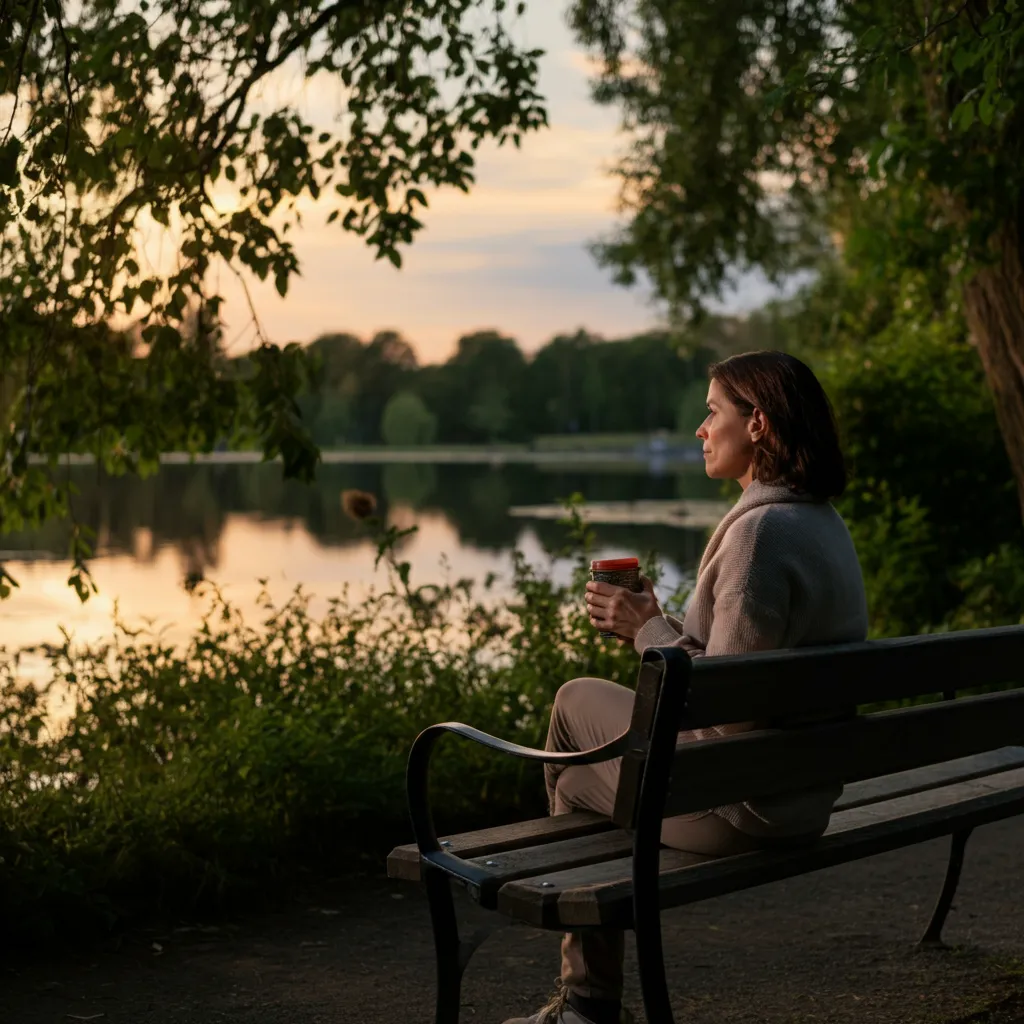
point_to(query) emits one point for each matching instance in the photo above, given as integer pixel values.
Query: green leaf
(9, 153)
(986, 108)
(963, 116)
(871, 38)
(992, 25)
(964, 57)
(7, 583)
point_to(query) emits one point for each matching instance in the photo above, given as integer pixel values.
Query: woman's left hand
(619, 610)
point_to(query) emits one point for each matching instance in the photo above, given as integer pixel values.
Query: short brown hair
(801, 447)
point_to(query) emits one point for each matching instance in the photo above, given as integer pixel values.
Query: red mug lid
(611, 564)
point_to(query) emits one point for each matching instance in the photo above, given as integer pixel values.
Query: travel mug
(620, 572)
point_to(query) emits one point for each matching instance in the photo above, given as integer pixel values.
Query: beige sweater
(779, 571)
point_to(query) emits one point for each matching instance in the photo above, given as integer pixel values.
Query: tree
(407, 421)
(754, 124)
(564, 385)
(486, 377)
(489, 414)
(328, 402)
(692, 409)
(134, 121)
(388, 366)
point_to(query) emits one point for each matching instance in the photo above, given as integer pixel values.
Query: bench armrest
(418, 771)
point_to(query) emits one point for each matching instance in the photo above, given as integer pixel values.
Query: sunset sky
(510, 255)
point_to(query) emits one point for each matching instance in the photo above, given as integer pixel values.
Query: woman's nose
(702, 431)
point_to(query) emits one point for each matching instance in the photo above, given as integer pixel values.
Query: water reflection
(236, 523)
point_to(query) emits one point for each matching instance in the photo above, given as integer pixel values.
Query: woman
(779, 571)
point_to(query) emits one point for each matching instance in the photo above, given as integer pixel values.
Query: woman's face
(728, 437)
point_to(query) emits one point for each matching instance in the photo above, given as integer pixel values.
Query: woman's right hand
(621, 611)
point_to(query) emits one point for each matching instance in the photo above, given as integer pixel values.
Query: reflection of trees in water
(408, 483)
(476, 499)
(186, 507)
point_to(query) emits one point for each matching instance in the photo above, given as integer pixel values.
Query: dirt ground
(836, 946)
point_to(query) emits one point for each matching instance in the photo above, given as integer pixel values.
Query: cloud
(531, 284)
(513, 254)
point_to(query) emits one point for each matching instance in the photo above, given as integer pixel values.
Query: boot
(558, 1011)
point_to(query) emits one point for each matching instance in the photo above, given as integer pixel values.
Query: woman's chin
(714, 469)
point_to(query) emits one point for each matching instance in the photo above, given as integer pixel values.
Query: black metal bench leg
(933, 933)
(651, 964)
(453, 953)
(450, 962)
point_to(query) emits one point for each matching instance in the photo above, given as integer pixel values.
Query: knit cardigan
(779, 571)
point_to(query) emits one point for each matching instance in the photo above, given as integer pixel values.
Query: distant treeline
(489, 391)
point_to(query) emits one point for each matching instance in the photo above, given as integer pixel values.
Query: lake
(236, 522)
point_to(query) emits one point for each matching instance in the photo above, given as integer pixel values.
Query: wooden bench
(911, 774)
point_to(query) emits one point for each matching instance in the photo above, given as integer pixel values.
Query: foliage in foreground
(182, 776)
(150, 150)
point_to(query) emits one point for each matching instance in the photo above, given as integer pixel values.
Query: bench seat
(575, 870)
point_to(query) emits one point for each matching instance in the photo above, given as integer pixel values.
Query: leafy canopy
(751, 121)
(147, 146)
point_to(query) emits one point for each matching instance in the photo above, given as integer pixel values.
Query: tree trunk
(994, 306)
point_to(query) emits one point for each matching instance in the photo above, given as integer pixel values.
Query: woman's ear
(757, 426)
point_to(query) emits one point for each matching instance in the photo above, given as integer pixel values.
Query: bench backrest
(823, 688)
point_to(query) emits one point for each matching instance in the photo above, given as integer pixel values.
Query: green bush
(992, 590)
(182, 776)
(915, 412)
(896, 549)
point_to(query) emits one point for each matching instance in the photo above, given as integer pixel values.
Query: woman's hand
(619, 610)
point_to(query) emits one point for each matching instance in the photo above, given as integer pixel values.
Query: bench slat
(404, 861)
(810, 680)
(962, 769)
(563, 855)
(602, 894)
(762, 764)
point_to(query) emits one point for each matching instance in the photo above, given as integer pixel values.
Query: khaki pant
(586, 714)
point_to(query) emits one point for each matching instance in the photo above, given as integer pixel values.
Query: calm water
(237, 523)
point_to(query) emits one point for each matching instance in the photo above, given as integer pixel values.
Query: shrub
(992, 590)
(179, 777)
